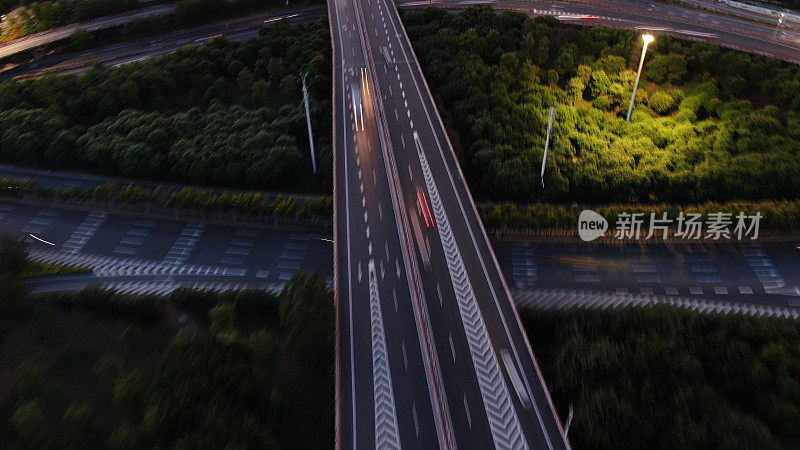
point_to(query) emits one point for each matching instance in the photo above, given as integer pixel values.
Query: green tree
(129, 393)
(661, 102)
(599, 84)
(223, 321)
(670, 68)
(13, 256)
(306, 312)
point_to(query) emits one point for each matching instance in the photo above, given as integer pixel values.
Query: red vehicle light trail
(422, 210)
(428, 209)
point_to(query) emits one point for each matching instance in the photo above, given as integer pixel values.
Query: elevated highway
(430, 351)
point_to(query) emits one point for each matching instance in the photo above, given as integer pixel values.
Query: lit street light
(648, 38)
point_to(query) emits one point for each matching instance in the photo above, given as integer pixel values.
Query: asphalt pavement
(764, 271)
(385, 120)
(430, 352)
(142, 49)
(56, 34)
(143, 251)
(724, 271)
(753, 32)
(660, 17)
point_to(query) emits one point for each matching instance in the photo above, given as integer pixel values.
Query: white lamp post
(648, 38)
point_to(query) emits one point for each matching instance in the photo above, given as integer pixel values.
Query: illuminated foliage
(707, 124)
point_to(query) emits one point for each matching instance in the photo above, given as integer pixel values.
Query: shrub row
(206, 202)
(777, 215)
(151, 308)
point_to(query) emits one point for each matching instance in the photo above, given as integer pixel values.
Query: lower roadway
(677, 20)
(142, 49)
(130, 252)
(660, 17)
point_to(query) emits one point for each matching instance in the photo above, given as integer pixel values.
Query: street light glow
(647, 38)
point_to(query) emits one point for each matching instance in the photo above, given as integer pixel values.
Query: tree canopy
(666, 378)
(98, 369)
(708, 125)
(224, 113)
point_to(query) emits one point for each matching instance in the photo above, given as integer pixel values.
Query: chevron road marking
(161, 288)
(556, 299)
(386, 430)
(503, 420)
(113, 266)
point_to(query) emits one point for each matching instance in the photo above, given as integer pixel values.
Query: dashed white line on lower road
(466, 410)
(84, 232)
(452, 347)
(43, 222)
(414, 412)
(405, 357)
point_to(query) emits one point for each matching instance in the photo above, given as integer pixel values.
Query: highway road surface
(659, 17)
(154, 254)
(763, 12)
(131, 249)
(762, 35)
(56, 34)
(430, 352)
(238, 29)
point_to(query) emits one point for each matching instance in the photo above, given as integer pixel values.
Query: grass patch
(38, 269)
